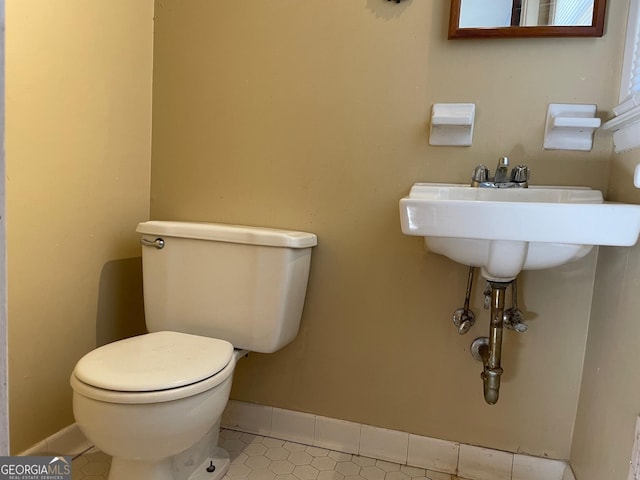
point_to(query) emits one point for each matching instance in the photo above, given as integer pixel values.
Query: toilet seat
(155, 367)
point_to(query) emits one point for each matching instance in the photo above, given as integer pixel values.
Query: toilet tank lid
(220, 232)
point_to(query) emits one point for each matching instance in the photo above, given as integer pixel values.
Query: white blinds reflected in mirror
(509, 13)
(572, 12)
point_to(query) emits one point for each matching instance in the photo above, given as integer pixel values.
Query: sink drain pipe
(488, 350)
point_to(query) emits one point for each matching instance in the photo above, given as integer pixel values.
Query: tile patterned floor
(91, 465)
(262, 458)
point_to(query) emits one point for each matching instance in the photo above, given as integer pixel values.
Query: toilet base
(219, 459)
(123, 469)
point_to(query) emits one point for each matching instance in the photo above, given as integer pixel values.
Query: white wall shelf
(570, 127)
(452, 124)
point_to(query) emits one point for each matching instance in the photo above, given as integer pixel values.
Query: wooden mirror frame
(595, 30)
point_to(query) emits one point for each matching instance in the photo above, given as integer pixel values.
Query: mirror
(526, 18)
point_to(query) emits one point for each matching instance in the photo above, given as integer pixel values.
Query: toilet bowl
(212, 292)
(147, 398)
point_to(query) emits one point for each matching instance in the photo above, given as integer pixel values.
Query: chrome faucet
(518, 178)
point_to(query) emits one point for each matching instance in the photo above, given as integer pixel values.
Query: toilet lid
(154, 361)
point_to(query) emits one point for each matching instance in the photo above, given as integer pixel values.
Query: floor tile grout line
(86, 450)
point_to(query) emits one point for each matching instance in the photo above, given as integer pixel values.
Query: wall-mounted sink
(506, 230)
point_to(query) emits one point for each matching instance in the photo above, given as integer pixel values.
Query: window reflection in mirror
(507, 13)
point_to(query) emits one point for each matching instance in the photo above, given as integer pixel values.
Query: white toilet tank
(242, 284)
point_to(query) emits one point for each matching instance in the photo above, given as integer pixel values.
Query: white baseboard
(68, 441)
(391, 445)
(568, 474)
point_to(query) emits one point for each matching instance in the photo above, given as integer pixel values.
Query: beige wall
(78, 114)
(313, 116)
(610, 393)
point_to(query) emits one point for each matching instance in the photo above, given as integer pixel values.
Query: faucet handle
(520, 174)
(480, 175)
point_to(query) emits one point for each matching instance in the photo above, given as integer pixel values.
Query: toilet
(212, 293)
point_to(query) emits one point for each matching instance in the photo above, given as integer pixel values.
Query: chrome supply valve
(514, 320)
(464, 318)
(513, 317)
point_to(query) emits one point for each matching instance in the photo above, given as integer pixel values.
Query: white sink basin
(506, 230)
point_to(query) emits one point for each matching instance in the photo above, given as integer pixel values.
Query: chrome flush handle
(158, 243)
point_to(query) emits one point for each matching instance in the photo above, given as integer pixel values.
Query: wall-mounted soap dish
(452, 124)
(570, 127)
